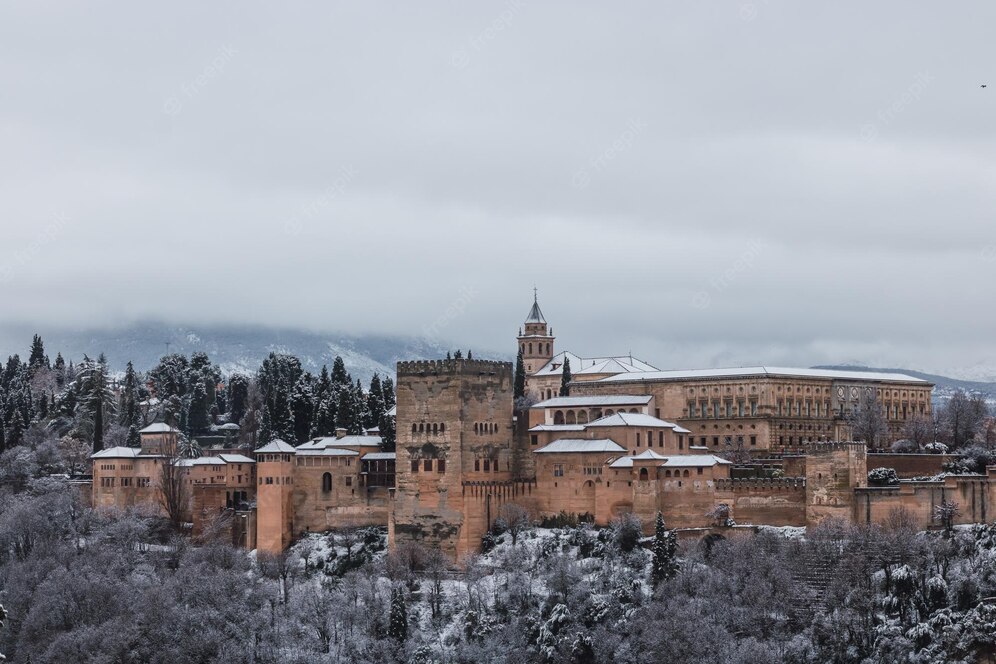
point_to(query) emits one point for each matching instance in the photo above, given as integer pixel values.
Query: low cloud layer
(699, 184)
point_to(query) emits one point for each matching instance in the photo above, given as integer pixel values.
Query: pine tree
(375, 403)
(520, 377)
(448, 356)
(15, 434)
(665, 563)
(3, 436)
(324, 422)
(470, 354)
(238, 397)
(398, 626)
(134, 439)
(340, 376)
(302, 406)
(96, 398)
(37, 357)
(565, 378)
(458, 355)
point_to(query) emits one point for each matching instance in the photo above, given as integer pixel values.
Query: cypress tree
(37, 357)
(134, 439)
(520, 377)
(265, 428)
(128, 410)
(398, 626)
(665, 563)
(388, 433)
(15, 435)
(565, 378)
(387, 388)
(375, 403)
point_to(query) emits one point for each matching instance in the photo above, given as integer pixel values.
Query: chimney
(340, 433)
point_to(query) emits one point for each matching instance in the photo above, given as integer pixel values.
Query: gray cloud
(353, 167)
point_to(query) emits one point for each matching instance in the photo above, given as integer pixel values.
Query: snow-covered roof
(276, 446)
(535, 315)
(229, 426)
(380, 456)
(742, 372)
(595, 400)
(235, 458)
(327, 451)
(558, 427)
(671, 461)
(158, 427)
(571, 445)
(117, 453)
(633, 420)
(622, 364)
(202, 461)
(393, 412)
(685, 460)
(627, 461)
(345, 441)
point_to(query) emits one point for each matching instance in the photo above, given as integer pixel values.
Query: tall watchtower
(454, 431)
(535, 339)
(274, 506)
(833, 471)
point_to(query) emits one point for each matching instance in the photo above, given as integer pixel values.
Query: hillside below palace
(628, 438)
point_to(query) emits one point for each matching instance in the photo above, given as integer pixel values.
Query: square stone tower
(833, 471)
(454, 452)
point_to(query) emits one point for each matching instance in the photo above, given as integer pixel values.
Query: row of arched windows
(539, 348)
(485, 427)
(433, 428)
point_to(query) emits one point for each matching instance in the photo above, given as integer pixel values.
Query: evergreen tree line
(45, 401)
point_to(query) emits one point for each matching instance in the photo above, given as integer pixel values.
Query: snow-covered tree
(664, 564)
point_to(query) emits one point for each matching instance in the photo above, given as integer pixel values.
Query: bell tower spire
(535, 339)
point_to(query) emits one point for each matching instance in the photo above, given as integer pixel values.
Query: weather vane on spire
(535, 294)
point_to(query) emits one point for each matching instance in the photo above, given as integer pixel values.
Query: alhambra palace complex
(629, 438)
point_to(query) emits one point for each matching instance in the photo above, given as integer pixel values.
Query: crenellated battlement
(762, 483)
(827, 447)
(453, 367)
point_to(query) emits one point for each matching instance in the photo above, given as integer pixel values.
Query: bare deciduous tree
(516, 519)
(172, 486)
(868, 421)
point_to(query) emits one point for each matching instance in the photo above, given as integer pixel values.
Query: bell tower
(536, 339)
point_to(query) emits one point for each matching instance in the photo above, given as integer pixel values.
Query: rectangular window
(441, 466)
(487, 465)
(534, 439)
(691, 409)
(698, 470)
(558, 470)
(427, 465)
(660, 439)
(753, 440)
(269, 480)
(349, 480)
(637, 438)
(753, 407)
(477, 465)
(715, 441)
(650, 439)
(414, 465)
(681, 441)
(657, 413)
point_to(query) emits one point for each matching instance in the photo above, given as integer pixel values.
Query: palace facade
(629, 438)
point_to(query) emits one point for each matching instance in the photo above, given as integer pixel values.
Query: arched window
(644, 475)
(442, 427)
(571, 419)
(558, 417)
(435, 428)
(477, 428)
(582, 417)
(685, 474)
(530, 347)
(667, 473)
(421, 427)
(327, 482)
(414, 427)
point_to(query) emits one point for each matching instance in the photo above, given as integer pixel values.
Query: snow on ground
(788, 532)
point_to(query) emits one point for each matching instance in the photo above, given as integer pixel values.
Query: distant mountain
(233, 348)
(944, 385)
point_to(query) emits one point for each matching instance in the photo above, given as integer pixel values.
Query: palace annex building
(761, 445)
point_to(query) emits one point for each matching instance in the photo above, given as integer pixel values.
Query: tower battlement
(453, 367)
(828, 447)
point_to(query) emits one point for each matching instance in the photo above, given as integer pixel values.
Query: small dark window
(327, 482)
(414, 465)
(441, 465)
(534, 439)
(487, 465)
(427, 465)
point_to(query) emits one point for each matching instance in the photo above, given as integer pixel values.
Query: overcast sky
(700, 183)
